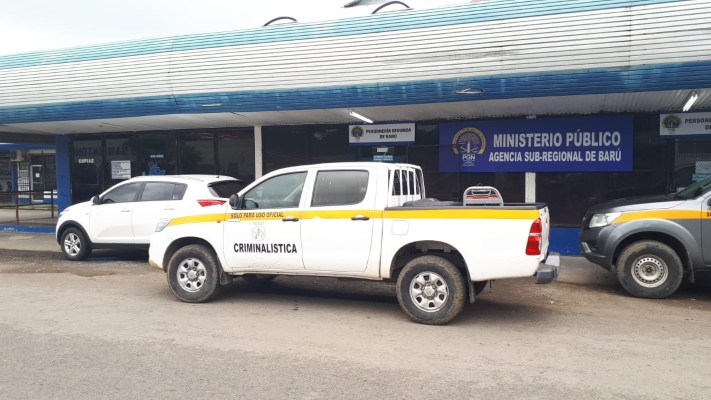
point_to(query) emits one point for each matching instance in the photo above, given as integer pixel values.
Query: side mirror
(96, 200)
(708, 202)
(234, 201)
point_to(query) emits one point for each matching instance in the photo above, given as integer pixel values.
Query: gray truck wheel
(75, 246)
(649, 269)
(194, 274)
(431, 290)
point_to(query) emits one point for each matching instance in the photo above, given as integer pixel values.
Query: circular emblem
(357, 132)
(671, 121)
(259, 231)
(469, 141)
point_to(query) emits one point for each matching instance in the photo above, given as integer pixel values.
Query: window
(235, 151)
(122, 194)
(281, 191)
(226, 189)
(397, 187)
(160, 191)
(340, 188)
(179, 191)
(197, 153)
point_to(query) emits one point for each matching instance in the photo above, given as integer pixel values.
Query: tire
(479, 287)
(75, 246)
(194, 274)
(649, 269)
(445, 282)
(258, 278)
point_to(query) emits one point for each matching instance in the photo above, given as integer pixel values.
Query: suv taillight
(535, 237)
(205, 203)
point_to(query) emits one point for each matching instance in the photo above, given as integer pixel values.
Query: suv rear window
(226, 189)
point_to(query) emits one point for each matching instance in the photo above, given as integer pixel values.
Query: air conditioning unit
(18, 155)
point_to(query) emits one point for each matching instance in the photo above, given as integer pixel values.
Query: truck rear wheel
(194, 274)
(431, 290)
(649, 269)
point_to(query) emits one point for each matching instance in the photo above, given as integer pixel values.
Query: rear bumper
(548, 269)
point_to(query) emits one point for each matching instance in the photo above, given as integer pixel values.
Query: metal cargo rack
(482, 196)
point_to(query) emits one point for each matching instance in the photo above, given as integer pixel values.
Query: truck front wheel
(194, 274)
(431, 290)
(649, 269)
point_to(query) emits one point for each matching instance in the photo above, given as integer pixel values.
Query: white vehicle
(125, 215)
(356, 220)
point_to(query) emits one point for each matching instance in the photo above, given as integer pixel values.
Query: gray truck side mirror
(96, 200)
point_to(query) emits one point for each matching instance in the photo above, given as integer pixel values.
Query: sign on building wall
(121, 169)
(581, 144)
(369, 134)
(685, 124)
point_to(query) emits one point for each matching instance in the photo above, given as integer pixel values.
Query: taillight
(535, 238)
(205, 203)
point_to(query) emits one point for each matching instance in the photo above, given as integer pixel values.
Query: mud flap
(472, 292)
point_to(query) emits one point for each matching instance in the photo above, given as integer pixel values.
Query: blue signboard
(581, 144)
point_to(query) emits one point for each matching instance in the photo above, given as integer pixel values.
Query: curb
(27, 229)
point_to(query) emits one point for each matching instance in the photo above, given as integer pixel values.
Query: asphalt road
(110, 328)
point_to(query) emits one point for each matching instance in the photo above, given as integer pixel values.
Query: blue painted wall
(64, 182)
(565, 241)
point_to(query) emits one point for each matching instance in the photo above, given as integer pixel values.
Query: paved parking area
(111, 328)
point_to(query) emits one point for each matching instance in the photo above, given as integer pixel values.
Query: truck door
(265, 233)
(337, 230)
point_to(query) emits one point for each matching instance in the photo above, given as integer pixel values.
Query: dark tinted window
(156, 191)
(337, 188)
(122, 194)
(278, 192)
(179, 191)
(225, 189)
(396, 183)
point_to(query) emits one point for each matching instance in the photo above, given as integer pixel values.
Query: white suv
(125, 215)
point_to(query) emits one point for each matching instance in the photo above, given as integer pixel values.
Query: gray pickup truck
(653, 242)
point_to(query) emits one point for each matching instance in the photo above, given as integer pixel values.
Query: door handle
(126, 210)
(169, 208)
(360, 217)
(290, 219)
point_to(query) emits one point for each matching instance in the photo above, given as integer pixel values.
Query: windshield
(696, 189)
(225, 189)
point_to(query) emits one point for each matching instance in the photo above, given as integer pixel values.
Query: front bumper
(548, 269)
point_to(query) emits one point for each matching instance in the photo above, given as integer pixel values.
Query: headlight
(162, 223)
(600, 220)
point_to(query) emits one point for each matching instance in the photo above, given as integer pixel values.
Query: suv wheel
(75, 246)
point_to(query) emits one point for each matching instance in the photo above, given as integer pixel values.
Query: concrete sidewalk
(30, 220)
(573, 269)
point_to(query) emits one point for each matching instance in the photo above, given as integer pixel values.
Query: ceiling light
(690, 102)
(211, 105)
(470, 91)
(360, 117)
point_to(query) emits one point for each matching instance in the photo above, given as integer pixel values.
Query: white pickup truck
(356, 220)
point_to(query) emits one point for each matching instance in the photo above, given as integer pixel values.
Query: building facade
(557, 102)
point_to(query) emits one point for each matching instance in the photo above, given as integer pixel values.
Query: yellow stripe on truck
(340, 214)
(473, 213)
(195, 219)
(661, 214)
(463, 213)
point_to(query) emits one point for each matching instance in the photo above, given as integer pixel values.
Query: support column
(258, 164)
(530, 192)
(64, 181)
